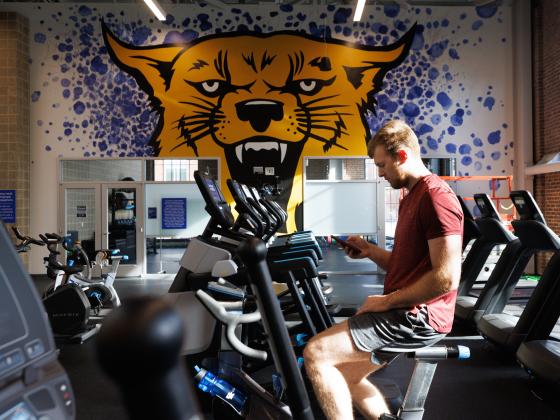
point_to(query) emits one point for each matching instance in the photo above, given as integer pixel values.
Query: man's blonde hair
(393, 136)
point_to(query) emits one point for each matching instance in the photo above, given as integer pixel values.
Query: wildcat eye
(211, 86)
(307, 85)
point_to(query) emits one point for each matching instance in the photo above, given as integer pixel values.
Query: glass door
(81, 221)
(122, 224)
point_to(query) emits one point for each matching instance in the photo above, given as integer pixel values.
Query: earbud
(402, 155)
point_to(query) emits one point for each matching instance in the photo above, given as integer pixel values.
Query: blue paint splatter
(411, 110)
(466, 160)
(464, 149)
(495, 155)
(424, 129)
(79, 107)
(391, 10)
(40, 38)
(486, 11)
(35, 96)
(437, 49)
(84, 11)
(477, 142)
(494, 137)
(453, 54)
(342, 15)
(489, 103)
(432, 143)
(98, 65)
(444, 100)
(476, 25)
(480, 154)
(141, 35)
(450, 148)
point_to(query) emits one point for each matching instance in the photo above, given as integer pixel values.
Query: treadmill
(33, 384)
(507, 330)
(470, 228)
(493, 232)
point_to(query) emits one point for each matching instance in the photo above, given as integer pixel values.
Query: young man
(423, 271)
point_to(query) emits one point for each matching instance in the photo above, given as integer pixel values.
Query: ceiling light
(156, 9)
(359, 9)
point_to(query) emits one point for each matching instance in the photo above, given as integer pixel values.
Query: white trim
(542, 169)
(522, 90)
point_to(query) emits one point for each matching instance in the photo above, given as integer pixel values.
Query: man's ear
(152, 67)
(402, 156)
(368, 65)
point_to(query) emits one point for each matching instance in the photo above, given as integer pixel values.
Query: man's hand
(359, 243)
(375, 303)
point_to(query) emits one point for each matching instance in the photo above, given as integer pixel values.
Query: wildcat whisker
(328, 143)
(321, 114)
(191, 141)
(312, 108)
(324, 98)
(205, 101)
(197, 105)
(338, 131)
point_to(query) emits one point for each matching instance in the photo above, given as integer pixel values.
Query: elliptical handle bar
(219, 311)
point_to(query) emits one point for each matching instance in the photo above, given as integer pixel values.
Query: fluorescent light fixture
(156, 9)
(358, 12)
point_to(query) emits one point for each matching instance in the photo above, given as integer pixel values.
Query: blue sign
(8, 206)
(152, 212)
(173, 213)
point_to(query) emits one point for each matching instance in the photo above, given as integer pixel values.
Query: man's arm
(445, 256)
(375, 253)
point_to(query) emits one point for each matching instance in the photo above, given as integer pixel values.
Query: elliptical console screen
(214, 191)
(526, 206)
(486, 207)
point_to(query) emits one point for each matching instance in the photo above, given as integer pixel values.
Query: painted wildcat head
(260, 101)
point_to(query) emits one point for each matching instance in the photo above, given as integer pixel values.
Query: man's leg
(338, 372)
(366, 397)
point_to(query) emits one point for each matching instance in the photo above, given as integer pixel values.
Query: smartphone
(344, 243)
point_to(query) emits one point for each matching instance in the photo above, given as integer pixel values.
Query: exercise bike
(68, 307)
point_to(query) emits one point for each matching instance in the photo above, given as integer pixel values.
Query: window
(179, 170)
(340, 169)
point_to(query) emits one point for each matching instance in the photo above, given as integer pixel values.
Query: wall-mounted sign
(173, 213)
(81, 211)
(8, 206)
(152, 212)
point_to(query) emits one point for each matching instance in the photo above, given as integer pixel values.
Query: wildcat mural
(260, 100)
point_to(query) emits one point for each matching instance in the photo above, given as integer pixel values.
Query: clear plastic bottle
(217, 387)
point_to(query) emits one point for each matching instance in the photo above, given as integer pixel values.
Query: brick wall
(14, 112)
(546, 91)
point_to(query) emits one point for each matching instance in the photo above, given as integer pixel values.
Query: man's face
(388, 167)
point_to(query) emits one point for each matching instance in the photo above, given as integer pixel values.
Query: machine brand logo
(260, 100)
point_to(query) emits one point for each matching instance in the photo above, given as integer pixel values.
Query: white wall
(197, 217)
(340, 207)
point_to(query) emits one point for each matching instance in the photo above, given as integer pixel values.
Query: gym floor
(490, 385)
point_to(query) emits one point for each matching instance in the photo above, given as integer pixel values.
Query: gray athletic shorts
(399, 330)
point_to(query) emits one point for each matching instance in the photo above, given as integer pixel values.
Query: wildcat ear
(152, 67)
(368, 66)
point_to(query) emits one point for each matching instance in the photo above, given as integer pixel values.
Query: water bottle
(208, 382)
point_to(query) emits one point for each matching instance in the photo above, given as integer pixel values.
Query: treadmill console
(466, 211)
(216, 204)
(526, 206)
(33, 385)
(486, 207)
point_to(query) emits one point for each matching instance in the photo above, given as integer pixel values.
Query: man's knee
(313, 351)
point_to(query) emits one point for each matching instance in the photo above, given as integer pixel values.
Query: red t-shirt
(430, 210)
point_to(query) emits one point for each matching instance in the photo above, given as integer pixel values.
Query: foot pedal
(327, 290)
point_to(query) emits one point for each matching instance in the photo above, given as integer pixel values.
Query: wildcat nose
(260, 113)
